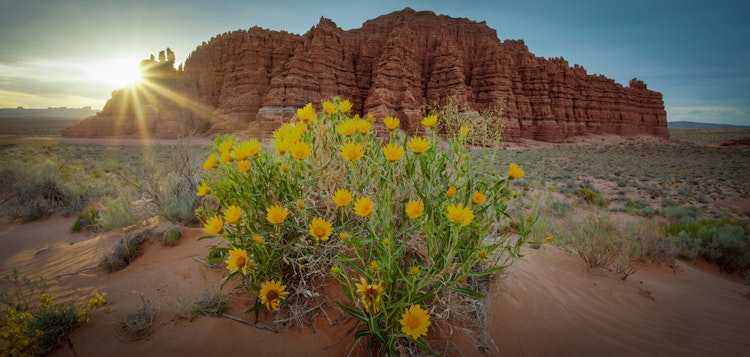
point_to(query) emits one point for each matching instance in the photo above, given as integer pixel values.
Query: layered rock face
(393, 65)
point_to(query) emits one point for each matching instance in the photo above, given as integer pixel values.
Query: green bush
(723, 242)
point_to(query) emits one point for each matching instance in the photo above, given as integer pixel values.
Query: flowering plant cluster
(399, 220)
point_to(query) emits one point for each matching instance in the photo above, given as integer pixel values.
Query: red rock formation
(394, 65)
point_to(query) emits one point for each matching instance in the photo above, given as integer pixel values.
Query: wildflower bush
(404, 223)
(33, 328)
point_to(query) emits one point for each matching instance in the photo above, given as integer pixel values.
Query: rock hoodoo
(393, 65)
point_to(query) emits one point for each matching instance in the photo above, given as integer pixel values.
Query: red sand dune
(547, 304)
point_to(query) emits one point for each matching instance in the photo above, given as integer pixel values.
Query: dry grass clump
(125, 250)
(211, 304)
(138, 324)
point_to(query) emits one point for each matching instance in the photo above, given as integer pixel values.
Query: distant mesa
(252, 80)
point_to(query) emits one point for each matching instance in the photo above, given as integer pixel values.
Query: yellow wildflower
(430, 121)
(329, 107)
(257, 239)
(464, 131)
(276, 214)
(203, 190)
(238, 261)
(352, 151)
(243, 166)
(549, 238)
(369, 117)
(415, 321)
(225, 157)
(282, 146)
(300, 150)
(414, 209)
(225, 146)
(516, 172)
(414, 270)
(320, 228)
(246, 149)
(232, 214)
(345, 105)
(363, 207)
(478, 198)
(306, 113)
(300, 204)
(283, 167)
(271, 293)
(213, 225)
(346, 127)
(363, 126)
(374, 265)
(343, 236)
(391, 123)
(370, 294)
(451, 191)
(393, 152)
(342, 197)
(210, 162)
(418, 144)
(460, 214)
(335, 270)
(482, 254)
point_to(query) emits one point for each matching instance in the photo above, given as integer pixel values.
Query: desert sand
(547, 304)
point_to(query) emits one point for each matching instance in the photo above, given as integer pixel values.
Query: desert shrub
(680, 214)
(137, 324)
(87, 219)
(33, 328)
(125, 250)
(486, 126)
(170, 235)
(116, 213)
(592, 196)
(603, 242)
(724, 242)
(402, 223)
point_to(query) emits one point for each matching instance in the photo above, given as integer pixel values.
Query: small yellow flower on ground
(329, 107)
(342, 197)
(391, 123)
(369, 117)
(430, 121)
(226, 146)
(363, 207)
(414, 270)
(320, 228)
(549, 239)
(276, 214)
(464, 130)
(283, 167)
(210, 162)
(271, 293)
(257, 239)
(238, 261)
(452, 191)
(415, 321)
(414, 209)
(459, 214)
(282, 146)
(345, 106)
(243, 166)
(393, 152)
(363, 126)
(418, 144)
(300, 150)
(482, 254)
(300, 204)
(370, 294)
(374, 265)
(246, 149)
(232, 214)
(346, 128)
(203, 190)
(516, 172)
(213, 225)
(306, 113)
(343, 236)
(352, 151)
(478, 198)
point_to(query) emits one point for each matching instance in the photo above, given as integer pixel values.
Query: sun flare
(121, 72)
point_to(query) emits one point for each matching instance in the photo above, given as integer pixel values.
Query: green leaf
(357, 315)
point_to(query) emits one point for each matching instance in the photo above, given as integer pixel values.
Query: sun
(120, 72)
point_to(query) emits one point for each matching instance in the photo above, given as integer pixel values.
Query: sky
(74, 53)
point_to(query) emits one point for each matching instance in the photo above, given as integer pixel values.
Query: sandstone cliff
(392, 65)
